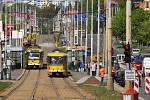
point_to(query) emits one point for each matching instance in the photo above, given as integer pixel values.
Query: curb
(20, 76)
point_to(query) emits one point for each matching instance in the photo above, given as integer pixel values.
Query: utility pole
(128, 35)
(109, 38)
(1, 66)
(98, 39)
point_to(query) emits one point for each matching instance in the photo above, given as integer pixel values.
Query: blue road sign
(102, 18)
(80, 17)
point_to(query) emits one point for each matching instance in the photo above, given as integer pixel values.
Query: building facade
(147, 5)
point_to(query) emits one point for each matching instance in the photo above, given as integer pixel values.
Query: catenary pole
(98, 40)
(1, 67)
(109, 38)
(91, 32)
(86, 46)
(81, 31)
(128, 35)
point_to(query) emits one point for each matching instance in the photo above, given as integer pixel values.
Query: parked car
(137, 66)
(120, 77)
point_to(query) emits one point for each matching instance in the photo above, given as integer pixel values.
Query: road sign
(130, 75)
(102, 18)
(80, 17)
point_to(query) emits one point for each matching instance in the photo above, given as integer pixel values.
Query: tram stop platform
(15, 75)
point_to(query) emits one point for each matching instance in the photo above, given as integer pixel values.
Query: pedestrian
(113, 73)
(102, 73)
(77, 65)
(88, 66)
(82, 67)
(93, 68)
(13, 64)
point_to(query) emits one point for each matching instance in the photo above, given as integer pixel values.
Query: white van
(135, 51)
(146, 65)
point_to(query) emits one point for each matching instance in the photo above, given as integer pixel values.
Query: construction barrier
(130, 94)
(147, 85)
(136, 86)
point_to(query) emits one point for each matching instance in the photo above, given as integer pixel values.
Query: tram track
(17, 85)
(66, 90)
(55, 88)
(82, 96)
(26, 88)
(35, 87)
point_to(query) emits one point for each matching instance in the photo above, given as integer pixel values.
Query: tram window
(55, 60)
(34, 55)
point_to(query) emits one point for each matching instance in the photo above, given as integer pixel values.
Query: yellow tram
(34, 58)
(57, 63)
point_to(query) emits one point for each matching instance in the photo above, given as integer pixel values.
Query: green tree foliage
(48, 11)
(119, 24)
(140, 21)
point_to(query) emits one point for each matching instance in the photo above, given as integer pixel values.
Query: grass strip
(101, 92)
(4, 85)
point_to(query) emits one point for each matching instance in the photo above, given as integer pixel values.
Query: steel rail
(55, 88)
(75, 89)
(35, 86)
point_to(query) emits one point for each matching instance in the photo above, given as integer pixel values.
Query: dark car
(120, 77)
(137, 62)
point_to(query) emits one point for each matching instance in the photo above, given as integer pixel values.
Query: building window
(146, 4)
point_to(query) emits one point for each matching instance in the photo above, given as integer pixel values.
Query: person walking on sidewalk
(93, 68)
(82, 67)
(102, 73)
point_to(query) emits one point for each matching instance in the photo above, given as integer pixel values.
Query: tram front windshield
(34, 55)
(55, 60)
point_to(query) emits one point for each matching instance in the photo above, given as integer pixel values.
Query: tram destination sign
(130, 75)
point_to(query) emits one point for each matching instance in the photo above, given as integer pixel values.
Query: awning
(13, 49)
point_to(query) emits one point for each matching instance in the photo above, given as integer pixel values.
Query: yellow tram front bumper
(34, 62)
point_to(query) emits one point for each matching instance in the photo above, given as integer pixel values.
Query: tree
(140, 25)
(119, 24)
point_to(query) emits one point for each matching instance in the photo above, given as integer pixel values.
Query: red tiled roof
(71, 12)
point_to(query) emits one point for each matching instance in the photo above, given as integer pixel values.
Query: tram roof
(56, 54)
(34, 50)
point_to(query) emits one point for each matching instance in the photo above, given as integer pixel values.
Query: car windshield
(137, 59)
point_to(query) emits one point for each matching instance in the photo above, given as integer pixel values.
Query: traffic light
(127, 53)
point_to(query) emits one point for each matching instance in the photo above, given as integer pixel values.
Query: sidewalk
(83, 77)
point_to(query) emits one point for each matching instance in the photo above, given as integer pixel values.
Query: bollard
(136, 86)
(147, 83)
